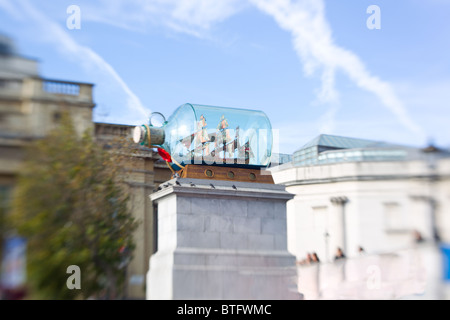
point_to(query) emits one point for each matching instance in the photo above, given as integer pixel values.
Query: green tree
(71, 203)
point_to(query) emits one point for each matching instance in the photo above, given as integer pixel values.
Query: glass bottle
(208, 135)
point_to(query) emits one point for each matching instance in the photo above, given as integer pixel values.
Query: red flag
(165, 155)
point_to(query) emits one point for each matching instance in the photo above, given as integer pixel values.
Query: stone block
(217, 223)
(273, 226)
(184, 205)
(260, 209)
(233, 207)
(198, 284)
(279, 210)
(198, 239)
(205, 206)
(261, 242)
(221, 243)
(247, 225)
(221, 259)
(233, 241)
(189, 222)
(280, 242)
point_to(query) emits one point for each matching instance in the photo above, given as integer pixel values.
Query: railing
(61, 87)
(45, 88)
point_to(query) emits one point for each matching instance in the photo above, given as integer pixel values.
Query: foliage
(71, 203)
(3, 223)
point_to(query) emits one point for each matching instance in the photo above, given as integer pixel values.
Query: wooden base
(225, 173)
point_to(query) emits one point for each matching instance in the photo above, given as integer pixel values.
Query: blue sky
(313, 66)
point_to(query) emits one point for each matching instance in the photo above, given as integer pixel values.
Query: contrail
(304, 19)
(312, 40)
(56, 34)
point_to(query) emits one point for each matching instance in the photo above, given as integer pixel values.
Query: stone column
(340, 223)
(221, 240)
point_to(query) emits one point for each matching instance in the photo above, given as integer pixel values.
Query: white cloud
(304, 19)
(311, 36)
(313, 42)
(193, 17)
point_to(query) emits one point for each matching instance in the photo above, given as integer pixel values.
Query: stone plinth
(221, 240)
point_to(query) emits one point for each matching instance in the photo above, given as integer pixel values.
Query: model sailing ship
(218, 147)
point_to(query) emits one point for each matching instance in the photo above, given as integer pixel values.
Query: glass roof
(331, 149)
(338, 142)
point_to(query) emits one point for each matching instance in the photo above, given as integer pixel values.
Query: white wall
(387, 201)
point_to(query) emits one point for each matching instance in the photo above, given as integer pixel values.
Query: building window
(57, 117)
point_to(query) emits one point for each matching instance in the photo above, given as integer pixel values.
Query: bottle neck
(148, 135)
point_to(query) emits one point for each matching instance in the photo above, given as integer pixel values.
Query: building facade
(353, 192)
(146, 172)
(392, 201)
(30, 106)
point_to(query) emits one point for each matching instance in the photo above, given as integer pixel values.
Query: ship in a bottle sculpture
(208, 142)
